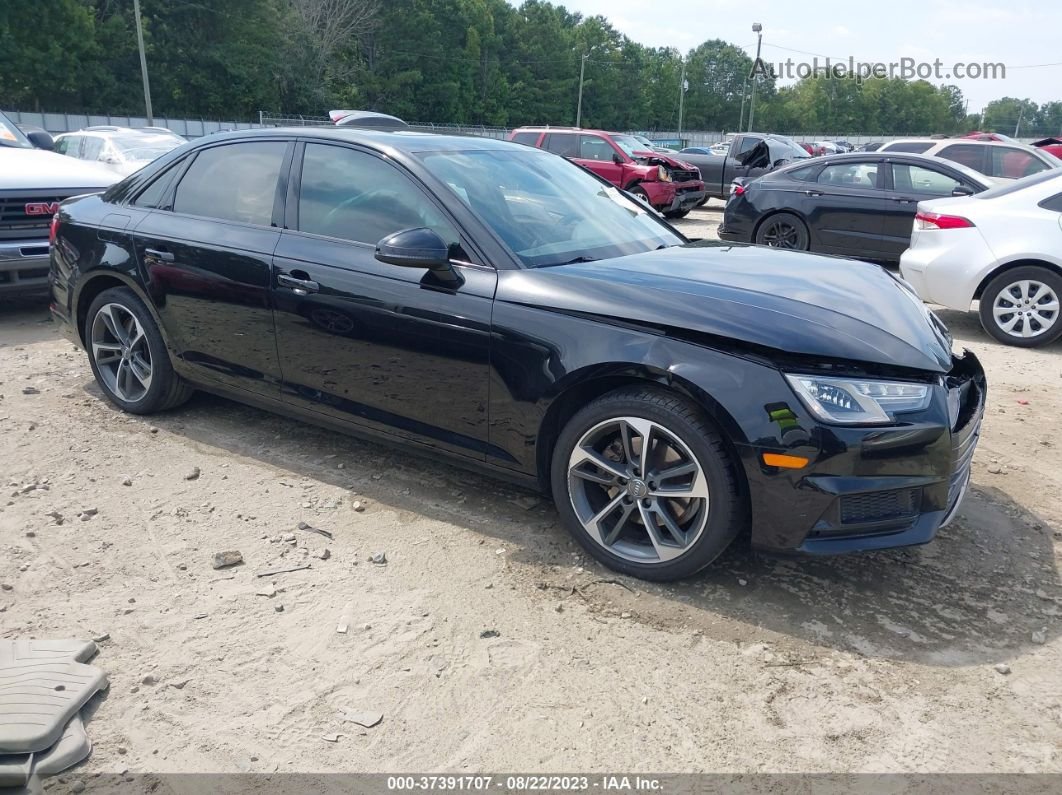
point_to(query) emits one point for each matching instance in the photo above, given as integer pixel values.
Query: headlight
(857, 402)
(662, 174)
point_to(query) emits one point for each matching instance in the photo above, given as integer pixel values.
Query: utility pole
(579, 108)
(682, 99)
(757, 28)
(744, 99)
(143, 63)
(1017, 126)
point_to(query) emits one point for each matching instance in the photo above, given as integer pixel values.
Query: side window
(357, 196)
(1054, 203)
(914, 147)
(61, 145)
(92, 148)
(72, 145)
(747, 144)
(971, 155)
(850, 175)
(563, 144)
(526, 138)
(1013, 163)
(918, 179)
(237, 182)
(803, 173)
(153, 194)
(593, 148)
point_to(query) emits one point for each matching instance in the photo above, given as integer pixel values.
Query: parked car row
(1004, 246)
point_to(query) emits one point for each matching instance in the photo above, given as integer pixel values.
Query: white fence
(193, 128)
(56, 123)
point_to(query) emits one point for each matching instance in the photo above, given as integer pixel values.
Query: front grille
(15, 224)
(682, 175)
(880, 506)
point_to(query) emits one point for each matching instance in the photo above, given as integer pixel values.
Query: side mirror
(962, 190)
(617, 159)
(419, 248)
(41, 140)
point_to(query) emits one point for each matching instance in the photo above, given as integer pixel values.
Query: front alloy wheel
(638, 490)
(645, 484)
(120, 350)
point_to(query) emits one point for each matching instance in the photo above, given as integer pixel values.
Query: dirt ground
(487, 642)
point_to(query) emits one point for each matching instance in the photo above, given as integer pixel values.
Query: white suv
(121, 149)
(996, 159)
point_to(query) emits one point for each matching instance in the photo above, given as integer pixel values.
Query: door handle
(904, 201)
(159, 254)
(813, 192)
(298, 285)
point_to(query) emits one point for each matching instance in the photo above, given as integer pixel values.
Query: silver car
(121, 149)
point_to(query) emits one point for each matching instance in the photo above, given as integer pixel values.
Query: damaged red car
(672, 186)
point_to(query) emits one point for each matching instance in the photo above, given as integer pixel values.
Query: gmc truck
(32, 183)
(749, 155)
(665, 182)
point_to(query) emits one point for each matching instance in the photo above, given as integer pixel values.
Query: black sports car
(860, 204)
(496, 304)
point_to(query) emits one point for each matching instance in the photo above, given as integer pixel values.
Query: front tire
(128, 355)
(1021, 307)
(783, 230)
(644, 483)
(676, 213)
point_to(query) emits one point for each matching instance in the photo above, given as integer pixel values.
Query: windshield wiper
(573, 261)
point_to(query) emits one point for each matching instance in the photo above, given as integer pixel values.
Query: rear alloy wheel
(128, 355)
(1021, 307)
(783, 230)
(645, 485)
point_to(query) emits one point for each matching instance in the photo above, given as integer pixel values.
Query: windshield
(629, 144)
(10, 135)
(547, 210)
(142, 146)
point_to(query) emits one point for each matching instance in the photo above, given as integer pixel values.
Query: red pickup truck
(669, 185)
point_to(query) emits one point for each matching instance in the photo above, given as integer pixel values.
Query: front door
(910, 184)
(378, 345)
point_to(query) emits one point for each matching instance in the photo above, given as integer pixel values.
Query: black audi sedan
(860, 204)
(499, 306)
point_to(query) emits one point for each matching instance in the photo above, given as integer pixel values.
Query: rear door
(206, 252)
(365, 342)
(907, 184)
(846, 207)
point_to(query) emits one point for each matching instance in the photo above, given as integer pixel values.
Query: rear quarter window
(526, 138)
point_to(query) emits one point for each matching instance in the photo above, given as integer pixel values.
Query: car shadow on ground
(985, 590)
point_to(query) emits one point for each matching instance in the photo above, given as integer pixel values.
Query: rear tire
(783, 230)
(128, 355)
(612, 495)
(1021, 307)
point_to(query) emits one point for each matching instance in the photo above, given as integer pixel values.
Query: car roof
(587, 130)
(909, 157)
(398, 140)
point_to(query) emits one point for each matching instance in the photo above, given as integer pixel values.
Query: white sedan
(1003, 247)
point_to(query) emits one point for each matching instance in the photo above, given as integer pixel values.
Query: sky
(1016, 33)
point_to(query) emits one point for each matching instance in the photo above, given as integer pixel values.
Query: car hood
(662, 159)
(36, 169)
(789, 301)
